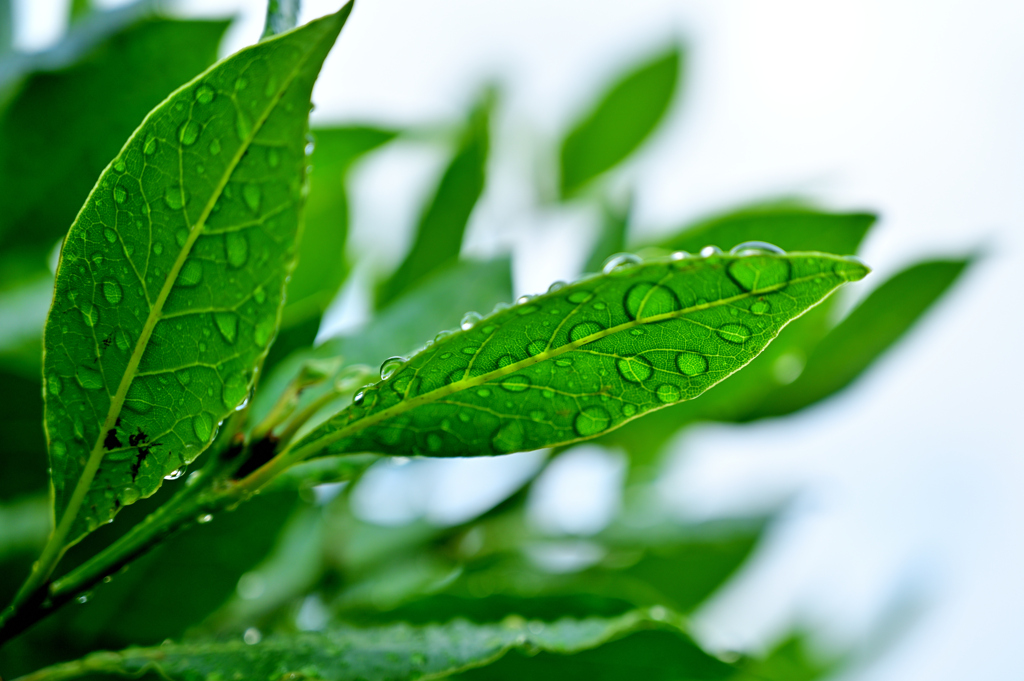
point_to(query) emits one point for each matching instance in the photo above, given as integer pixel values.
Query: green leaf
(584, 359)
(438, 302)
(170, 283)
(620, 122)
(63, 127)
(401, 652)
(864, 335)
(443, 223)
(788, 225)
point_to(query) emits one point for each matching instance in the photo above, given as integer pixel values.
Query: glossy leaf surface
(170, 282)
(584, 359)
(625, 116)
(401, 652)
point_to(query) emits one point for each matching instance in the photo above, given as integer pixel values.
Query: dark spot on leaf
(111, 441)
(139, 458)
(138, 438)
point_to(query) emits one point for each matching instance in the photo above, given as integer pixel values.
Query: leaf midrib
(117, 400)
(465, 384)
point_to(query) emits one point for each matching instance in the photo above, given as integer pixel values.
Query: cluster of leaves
(189, 291)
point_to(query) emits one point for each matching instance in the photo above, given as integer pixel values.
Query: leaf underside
(171, 279)
(586, 358)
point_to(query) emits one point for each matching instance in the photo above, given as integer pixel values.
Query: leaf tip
(852, 269)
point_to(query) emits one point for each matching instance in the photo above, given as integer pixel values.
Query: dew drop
(709, 251)
(734, 333)
(516, 384)
(158, 248)
(584, 330)
(691, 363)
(524, 310)
(760, 307)
(628, 409)
(591, 421)
(259, 295)
(650, 300)
(191, 273)
(755, 247)
(536, 347)
(557, 286)
(214, 146)
(202, 424)
(90, 315)
(506, 360)
(273, 158)
(242, 126)
(227, 324)
(235, 391)
(263, 331)
(360, 397)
(434, 442)
(120, 194)
(599, 305)
(680, 255)
(483, 392)
(537, 415)
(578, 297)
(667, 393)
(112, 291)
(58, 448)
(237, 248)
(128, 495)
(390, 366)
(635, 369)
(176, 473)
(758, 273)
(176, 197)
(205, 518)
(470, 350)
(54, 384)
(620, 261)
(150, 147)
(508, 438)
(139, 398)
(252, 196)
(110, 235)
(188, 132)
(121, 340)
(469, 320)
(205, 94)
(119, 166)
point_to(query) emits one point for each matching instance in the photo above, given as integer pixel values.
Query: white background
(908, 486)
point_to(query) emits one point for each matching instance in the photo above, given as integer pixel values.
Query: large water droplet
(390, 366)
(191, 273)
(263, 331)
(54, 384)
(469, 320)
(120, 194)
(628, 409)
(227, 324)
(150, 147)
(128, 495)
(188, 132)
(508, 438)
(202, 424)
(691, 363)
(121, 340)
(734, 333)
(110, 235)
(536, 347)
(619, 261)
(205, 94)
(635, 369)
(650, 300)
(579, 297)
(252, 196)
(176, 473)
(709, 251)
(557, 286)
(516, 384)
(237, 248)
(90, 314)
(112, 291)
(176, 197)
(591, 421)
(243, 126)
(667, 393)
(235, 391)
(760, 307)
(584, 330)
(753, 273)
(90, 379)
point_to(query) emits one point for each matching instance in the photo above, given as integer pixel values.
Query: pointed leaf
(402, 652)
(864, 335)
(584, 359)
(626, 116)
(171, 279)
(443, 223)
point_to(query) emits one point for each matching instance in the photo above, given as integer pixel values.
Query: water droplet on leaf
(620, 261)
(188, 132)
(191, 273)
(734, 333)
(667, 393)
(591, 421)
(112, 291)
(635, 369)
(237, 248)
(584, 330)
(650, 300)
(691, 363)
(390, 366)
